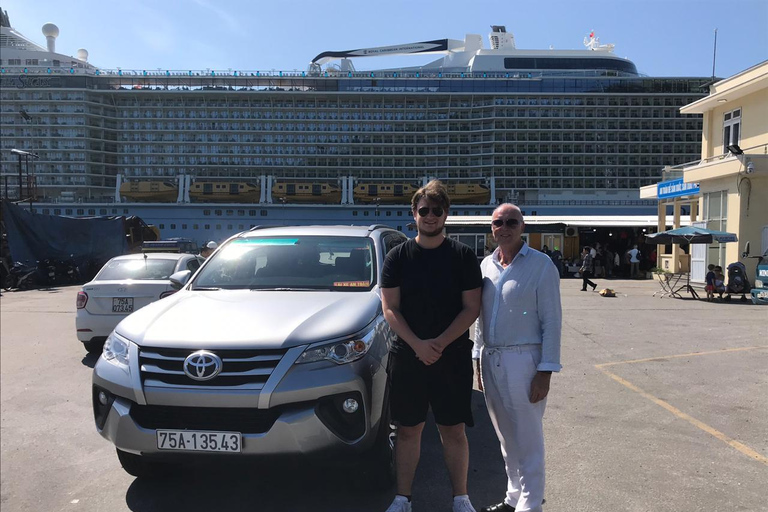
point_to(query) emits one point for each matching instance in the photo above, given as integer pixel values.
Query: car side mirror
(745, 254)
(180, 278)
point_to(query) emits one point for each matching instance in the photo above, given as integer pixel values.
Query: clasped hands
(428, 351)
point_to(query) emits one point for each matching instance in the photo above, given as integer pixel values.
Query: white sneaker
(462, 504)
(401, 504)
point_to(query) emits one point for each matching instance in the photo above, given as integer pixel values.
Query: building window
(716, 217)
(731, 128)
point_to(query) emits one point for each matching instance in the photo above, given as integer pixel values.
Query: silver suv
(277, 346)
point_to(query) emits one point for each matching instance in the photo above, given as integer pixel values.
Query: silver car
(277, 347)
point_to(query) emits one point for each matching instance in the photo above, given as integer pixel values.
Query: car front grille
(241, 369)
(245, 420)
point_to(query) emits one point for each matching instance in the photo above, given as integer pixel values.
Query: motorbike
(22, 276)
(46, 270)
(67, 271)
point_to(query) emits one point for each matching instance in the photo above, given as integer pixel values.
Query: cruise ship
(207, 153)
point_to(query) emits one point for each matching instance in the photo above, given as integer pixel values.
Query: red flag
(591, 34)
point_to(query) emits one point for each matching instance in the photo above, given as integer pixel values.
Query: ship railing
(335, 74)
(587, 202)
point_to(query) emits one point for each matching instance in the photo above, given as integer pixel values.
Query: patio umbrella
(690, 235)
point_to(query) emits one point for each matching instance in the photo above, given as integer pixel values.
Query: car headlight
(340, 352)
(116, 349)
(758, 283)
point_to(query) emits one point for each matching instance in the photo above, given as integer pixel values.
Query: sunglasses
(510, 223)
(436, 211)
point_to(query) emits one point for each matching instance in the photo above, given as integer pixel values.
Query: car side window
(193, 264)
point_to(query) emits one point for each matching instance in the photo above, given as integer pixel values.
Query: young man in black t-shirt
(431, 289)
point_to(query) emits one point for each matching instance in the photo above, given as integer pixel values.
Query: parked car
(123, 285)
(277, 346)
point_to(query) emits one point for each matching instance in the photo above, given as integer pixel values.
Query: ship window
(207, 226)
(229, 226)
(263, 213)
(195, 226)
(80, 211)
(389, 213)
(230, 213)
(217, 212)
(354, 213)
(46, 211)
(366, 213)
(206, 212)
(91, 211)
(218, 226)
(57, 211)
(162, 226)
(173, 226)
(183, 226)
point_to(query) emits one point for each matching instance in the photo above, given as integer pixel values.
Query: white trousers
(507, 374)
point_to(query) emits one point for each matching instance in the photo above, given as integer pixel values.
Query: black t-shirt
(431, 282)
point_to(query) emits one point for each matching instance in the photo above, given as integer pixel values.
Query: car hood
(245, 318)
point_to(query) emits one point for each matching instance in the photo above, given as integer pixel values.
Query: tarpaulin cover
(34, 236)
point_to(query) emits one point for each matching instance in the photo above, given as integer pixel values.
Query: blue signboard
(676, 188)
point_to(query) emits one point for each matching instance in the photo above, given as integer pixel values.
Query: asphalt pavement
(662, 405)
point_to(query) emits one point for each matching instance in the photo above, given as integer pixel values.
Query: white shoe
(401, 504)
(462, 504)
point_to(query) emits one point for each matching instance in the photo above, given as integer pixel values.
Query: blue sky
(662, 37)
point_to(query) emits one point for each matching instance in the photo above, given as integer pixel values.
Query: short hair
(711, 266)
(434, 191)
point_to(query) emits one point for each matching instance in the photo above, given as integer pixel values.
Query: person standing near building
(517, 347)
(208, 249)
(634, 262)
(587, 269)
(430, 290)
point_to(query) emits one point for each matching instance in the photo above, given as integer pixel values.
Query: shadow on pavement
(296, 486)
(89, 360)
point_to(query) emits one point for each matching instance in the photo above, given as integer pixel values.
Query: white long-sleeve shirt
(521, 306)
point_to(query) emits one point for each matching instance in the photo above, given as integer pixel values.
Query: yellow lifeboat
(306, 192)
(224, 192)
(468, 193)
(149, 191)
(386, 193)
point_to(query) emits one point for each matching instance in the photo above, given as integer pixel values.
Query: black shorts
(446, 386)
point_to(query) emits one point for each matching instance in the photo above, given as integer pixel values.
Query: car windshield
(291, 263)
(145, 269)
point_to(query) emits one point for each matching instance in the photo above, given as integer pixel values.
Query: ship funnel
(500, 38)
(51, 32)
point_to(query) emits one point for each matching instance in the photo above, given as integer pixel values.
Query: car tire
(138, 466)
(8, 281)
(94, 346)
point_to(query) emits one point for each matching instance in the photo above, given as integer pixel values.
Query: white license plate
(196, 441)
(122, 305)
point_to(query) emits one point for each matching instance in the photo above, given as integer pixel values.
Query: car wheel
(138, 466)
(94, 346)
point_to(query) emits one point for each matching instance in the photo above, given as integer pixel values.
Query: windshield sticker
(266, 241)
(352, 284)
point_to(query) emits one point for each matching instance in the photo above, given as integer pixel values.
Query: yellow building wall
(754, 124)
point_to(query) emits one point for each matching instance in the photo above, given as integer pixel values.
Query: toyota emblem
(202, 365)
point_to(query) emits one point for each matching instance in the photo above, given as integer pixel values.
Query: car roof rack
(377, 226)
(254, 228)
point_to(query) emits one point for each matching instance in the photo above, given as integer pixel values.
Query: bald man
(517, 347)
